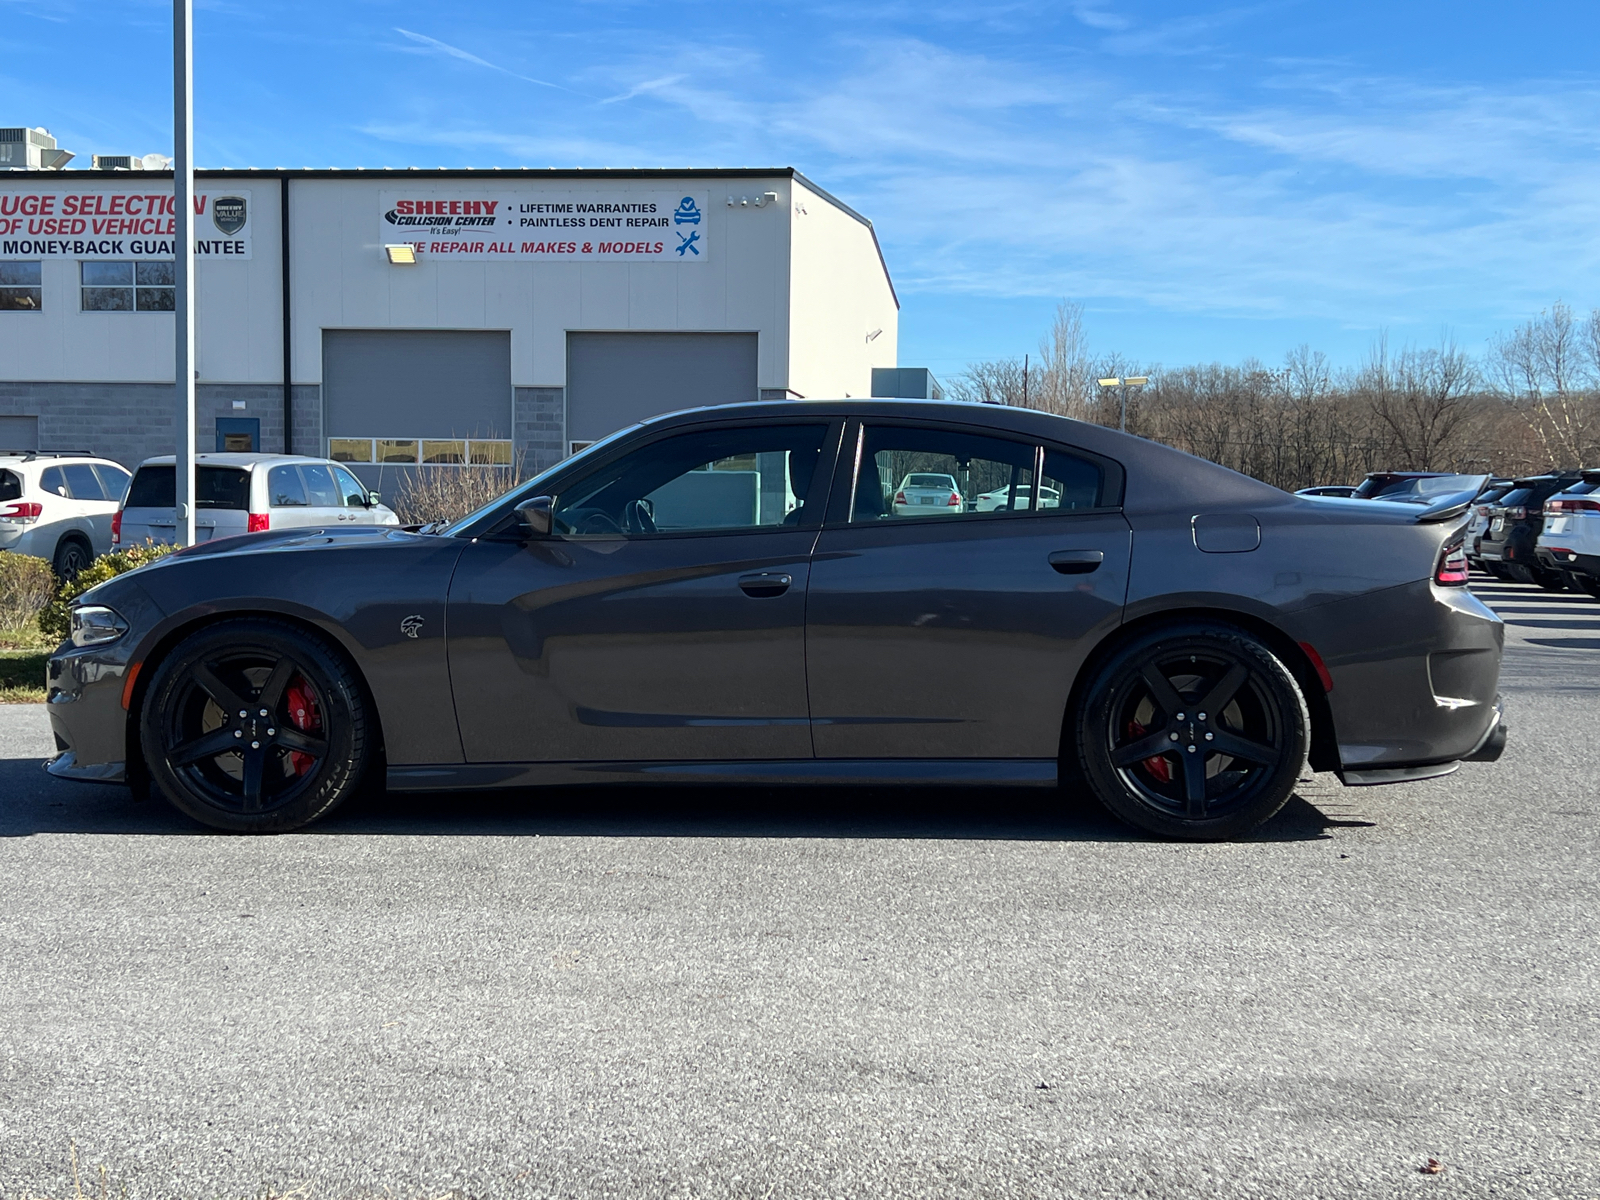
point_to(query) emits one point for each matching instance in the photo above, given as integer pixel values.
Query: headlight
(93, 625)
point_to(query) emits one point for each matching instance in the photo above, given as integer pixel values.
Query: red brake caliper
(1158, 766)
(303, 716)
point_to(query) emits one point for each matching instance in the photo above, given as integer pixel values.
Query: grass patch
(22, 676)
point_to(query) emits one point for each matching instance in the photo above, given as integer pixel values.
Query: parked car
(1329, 489)
(999, 500)
(1570, 540)
(1411, 487)
(1183, 638)
(1480, 515)
(925, 494)
(246, 493)
(59, 506)
(1515, 522)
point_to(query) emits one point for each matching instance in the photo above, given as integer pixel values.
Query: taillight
(1554, 508)
(1516, 513)
(259, 523)
(953, 501)
(1452, 568)
(899, 497)
(1483, 510)
(116, 528)
(23, 510)
(1577, 506)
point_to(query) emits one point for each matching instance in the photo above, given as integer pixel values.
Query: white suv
(1570, 540)
(59, 506)
(246, 493)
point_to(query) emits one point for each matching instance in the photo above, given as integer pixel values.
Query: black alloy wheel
(255, 726)
(72, 556)
(1195, 731)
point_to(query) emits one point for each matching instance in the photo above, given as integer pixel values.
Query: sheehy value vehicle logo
(549, 225)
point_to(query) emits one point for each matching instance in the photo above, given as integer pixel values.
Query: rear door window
(85, 484)
(53, 482)
(319, 486)
(113, 479)
(911, 472)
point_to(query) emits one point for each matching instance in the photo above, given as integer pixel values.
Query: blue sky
(1210, 182)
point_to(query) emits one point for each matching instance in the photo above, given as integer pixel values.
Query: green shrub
(54, 620)
(26, 585)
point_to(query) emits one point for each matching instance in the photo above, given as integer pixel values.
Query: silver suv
(246, 493)
(59, 506)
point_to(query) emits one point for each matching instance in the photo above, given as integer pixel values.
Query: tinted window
(10, 486)
(53, 482)
(698, 482)
(1515, 497)
(113, 479)
(974, 473)
(284, 489)
(319, 486)
(1582, 489)
(156, 486)
(85, 484)
(1076, 482)
(351, 493)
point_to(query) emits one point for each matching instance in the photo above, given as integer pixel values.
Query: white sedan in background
(928, 494)
(999, 500)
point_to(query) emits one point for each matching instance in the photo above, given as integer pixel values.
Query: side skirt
(996, 772)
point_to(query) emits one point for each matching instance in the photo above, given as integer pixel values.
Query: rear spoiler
(1447, 508)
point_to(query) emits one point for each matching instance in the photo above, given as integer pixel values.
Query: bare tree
(1065, 383)
(1547, 370)
(1424, 399)
(998, 381)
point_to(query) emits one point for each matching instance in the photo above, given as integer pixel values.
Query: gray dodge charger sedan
(739, 595)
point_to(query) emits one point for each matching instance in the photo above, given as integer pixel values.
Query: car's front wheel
(255, 726)
(1195, 731)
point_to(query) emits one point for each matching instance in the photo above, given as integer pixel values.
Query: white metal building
(542, 308)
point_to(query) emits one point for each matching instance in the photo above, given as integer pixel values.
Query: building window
(20, 287)
(127, 286)
(451, 452)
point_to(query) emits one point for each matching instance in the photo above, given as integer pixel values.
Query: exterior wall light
(403, 255)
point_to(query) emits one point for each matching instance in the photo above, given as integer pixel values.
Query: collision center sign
(548, 225)
(119, 222)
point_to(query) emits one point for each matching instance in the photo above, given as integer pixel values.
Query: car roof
(12, 458)
(233, 459)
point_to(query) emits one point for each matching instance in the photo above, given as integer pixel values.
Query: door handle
(765, 583)
(1077, 562)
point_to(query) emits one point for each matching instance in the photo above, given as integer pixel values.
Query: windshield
(530, 489)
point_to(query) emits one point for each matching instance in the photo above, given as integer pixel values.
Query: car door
(664, 620)
(287, 499)
(92, 508)
(325, 505)
(353, 498)
(958, 636)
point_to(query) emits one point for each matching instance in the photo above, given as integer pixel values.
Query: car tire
(1498, 570)
(1550, 581)
(72, 555)
(1587, 584)
(1148, 697)
(214, 756)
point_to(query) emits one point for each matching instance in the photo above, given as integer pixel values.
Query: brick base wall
(129, 422)
(539, 427)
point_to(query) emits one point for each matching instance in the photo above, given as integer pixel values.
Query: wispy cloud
(640, 89)
(434, 45)
(1096, 17)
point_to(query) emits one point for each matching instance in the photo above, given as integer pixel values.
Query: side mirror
(535, 514)
(373, 499)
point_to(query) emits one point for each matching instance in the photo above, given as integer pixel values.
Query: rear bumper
(1583, 564)
(1489, 749)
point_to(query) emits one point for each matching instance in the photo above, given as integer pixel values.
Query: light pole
(1122, 386)
(183, 263)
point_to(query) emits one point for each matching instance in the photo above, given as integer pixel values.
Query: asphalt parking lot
(830, 993)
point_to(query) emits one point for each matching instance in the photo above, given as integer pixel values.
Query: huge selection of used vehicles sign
(549, 225)
(129, 221)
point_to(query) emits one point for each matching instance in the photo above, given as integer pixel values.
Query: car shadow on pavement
(31, 803)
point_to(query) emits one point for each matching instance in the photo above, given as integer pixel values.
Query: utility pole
(1024, 381)
(183, 263)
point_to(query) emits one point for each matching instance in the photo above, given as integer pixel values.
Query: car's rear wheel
(1550, 581)
(1498, 570)
(1586, 583)
(1195, 731)
(255, 726)
(73, 554)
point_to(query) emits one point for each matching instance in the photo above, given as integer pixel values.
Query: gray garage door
(615, 379)
(434, 383)
(19, 433)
